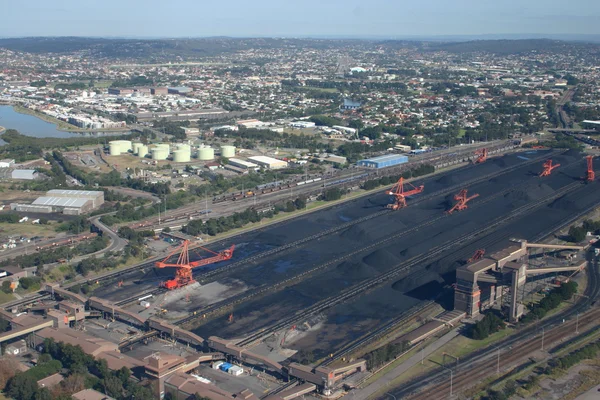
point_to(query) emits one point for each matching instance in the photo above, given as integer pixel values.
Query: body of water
(30, 125)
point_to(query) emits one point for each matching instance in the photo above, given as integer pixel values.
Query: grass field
(318, 89)
(4, 298)
(28, 229)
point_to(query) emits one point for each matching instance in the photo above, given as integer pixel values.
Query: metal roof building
(71, 202)
(268, 162)
(387, 160)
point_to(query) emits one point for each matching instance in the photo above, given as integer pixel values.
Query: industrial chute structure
(400, 194)
(548, 168)
(477, 256)
(481, 156)
(590, 175)
(461, 201)
(183, 266)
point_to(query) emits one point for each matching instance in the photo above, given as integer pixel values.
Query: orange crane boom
(591, 175)
(400, 194)
(548, 168)
(461, 201)
(183, 266)
(477, 256)
(482, 156)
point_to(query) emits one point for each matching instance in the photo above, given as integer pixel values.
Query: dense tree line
(10, 218)
(384, 354)
(588, 352)
(214, 226)
(490, 323)
(551, 301)
(76, 226)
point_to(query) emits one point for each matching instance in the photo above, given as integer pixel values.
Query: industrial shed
(268, 162)
(387, 160)
(70, 202)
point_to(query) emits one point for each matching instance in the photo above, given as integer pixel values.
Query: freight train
(67, 242)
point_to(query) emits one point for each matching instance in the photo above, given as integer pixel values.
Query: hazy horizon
(310, 18)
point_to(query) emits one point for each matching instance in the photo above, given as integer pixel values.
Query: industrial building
(500, 278)
(71, 202)
(387, 160)
(268, 162)
(302, 124)
(7, 163)
(236, 162)
(23, 174)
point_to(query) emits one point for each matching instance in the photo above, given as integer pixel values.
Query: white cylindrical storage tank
(114, 148)
(135, 147)
(142, 151)
(159, 153)
(165, 146)
(206, 153)
(125, 145)
(183, 146)
(181, 156)
(228, 151)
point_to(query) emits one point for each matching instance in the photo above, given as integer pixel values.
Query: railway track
(432, 255)
(474, 374)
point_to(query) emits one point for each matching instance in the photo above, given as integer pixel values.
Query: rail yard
(335, 280)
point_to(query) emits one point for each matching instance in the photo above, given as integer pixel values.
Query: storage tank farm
(206, 153)
(227, 151)
(142, 151)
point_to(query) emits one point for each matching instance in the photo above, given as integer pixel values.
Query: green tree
(577, 234)
(6, 287)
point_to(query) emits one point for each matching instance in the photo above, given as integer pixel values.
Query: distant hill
(154, 50)
(157, 48)
(504, 47)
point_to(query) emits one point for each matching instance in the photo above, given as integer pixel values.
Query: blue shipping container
(225, 367)
(387, 160)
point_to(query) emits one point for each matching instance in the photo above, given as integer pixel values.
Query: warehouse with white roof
(268, 162)
(70, 202)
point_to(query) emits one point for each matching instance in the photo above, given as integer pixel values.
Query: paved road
(117, 242)
(592, 394)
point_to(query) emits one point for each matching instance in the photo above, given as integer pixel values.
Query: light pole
(542, 338)
(577, 324)
(498, 361)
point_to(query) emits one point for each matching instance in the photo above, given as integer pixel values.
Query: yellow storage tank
(206, 153)
(180, 156)
(142, 151)
(227, 151)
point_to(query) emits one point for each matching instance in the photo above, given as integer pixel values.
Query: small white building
(7, 163)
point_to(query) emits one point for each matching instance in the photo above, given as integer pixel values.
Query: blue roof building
(387, 160)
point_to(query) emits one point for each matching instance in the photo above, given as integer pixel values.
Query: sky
(297, 18)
